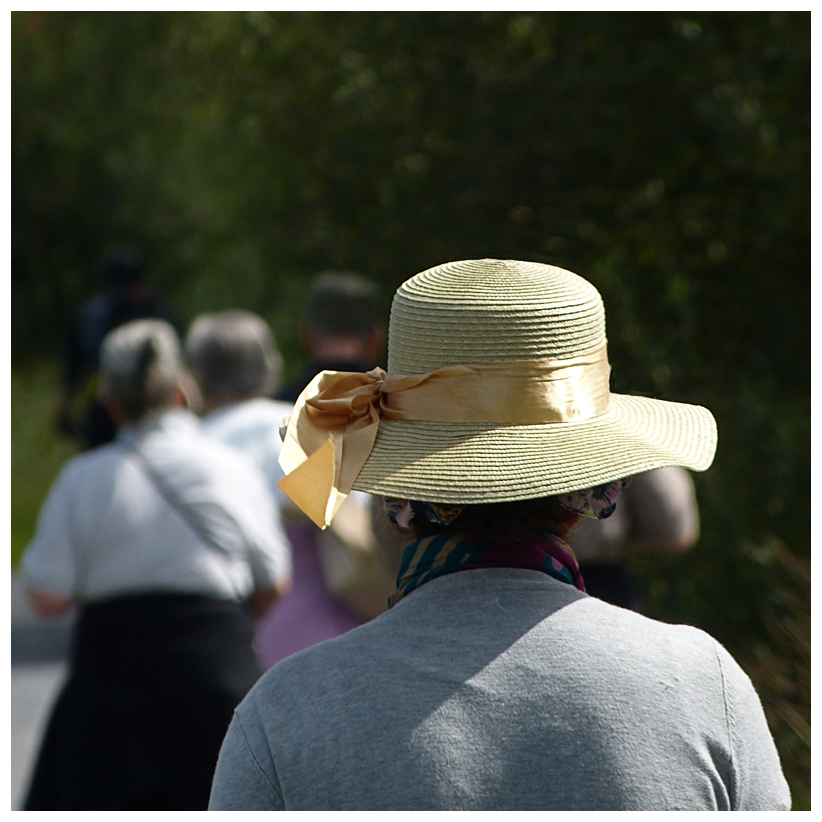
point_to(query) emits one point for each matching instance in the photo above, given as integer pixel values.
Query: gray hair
(233, 354)
(141, 365)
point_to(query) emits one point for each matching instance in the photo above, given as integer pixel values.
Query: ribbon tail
(310, 486)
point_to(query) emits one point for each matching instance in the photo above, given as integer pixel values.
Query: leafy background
(664, 156)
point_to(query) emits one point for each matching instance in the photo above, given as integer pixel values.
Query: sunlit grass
(38, 451)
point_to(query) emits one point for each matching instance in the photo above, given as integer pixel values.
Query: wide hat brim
(471, 463)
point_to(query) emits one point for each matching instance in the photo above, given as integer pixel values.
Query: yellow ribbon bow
(334, 424)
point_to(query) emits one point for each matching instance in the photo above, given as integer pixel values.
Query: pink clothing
(307, 614)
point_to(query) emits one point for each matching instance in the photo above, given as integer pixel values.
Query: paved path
(39, 651)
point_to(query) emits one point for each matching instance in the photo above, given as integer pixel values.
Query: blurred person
(338, 581)
(656, 512)
(165, 540)
(127, 296)
(341, 327)
(494, 682)
(236, 365)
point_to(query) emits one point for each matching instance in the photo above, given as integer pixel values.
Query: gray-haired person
(165, 540)
(494, 682)
(234, 360)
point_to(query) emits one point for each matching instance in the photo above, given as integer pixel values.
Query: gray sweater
(503, 689)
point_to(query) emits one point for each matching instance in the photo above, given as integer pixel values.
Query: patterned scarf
(436, 556)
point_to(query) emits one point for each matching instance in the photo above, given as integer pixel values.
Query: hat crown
(492, 311)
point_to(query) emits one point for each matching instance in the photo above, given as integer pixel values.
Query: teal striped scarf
(432, 557)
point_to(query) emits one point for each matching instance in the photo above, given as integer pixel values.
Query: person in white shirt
(234, 360)
(166, 541)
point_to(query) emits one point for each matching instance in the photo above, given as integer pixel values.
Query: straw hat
(491, 311)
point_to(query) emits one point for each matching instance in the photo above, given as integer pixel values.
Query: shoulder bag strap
(186, 511)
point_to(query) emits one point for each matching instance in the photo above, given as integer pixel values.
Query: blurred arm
(46, 604)
(263, 598)
(49, 567)
(269, 551)
(664, 513)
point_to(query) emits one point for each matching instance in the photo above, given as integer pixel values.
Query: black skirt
(154, 681)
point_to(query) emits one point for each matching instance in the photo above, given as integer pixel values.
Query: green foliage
(665, 156)
(37, 452)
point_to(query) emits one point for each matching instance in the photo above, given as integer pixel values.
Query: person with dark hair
(167, 542)
(127, 296)
(341, 327)
(494, 682)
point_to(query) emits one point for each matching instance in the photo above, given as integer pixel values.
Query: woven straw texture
(497, 310)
